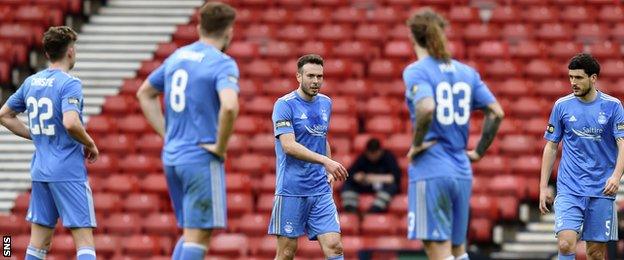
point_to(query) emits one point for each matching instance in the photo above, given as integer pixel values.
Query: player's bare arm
(424, 115)
(227, 114)
(71, 122)
(613, 183)
(8, 118)
(294, 149)
(493, 117)
(548, 160)
(150, 105)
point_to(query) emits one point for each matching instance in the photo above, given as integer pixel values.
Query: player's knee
(289, 251)
(335, 247)
(566, 246)
(596, 253)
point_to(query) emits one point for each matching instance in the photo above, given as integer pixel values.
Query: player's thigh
(176, 193)
(569, 212)
(289, 216)
(74, 200)
(204, 202)
(430, 211)
(42, 209)
(461, 208)
(600, 223)
(323, 217)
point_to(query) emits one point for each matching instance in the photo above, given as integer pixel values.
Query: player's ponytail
(427, 29)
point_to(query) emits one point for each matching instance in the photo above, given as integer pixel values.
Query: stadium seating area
(521, 49)
(22, 23)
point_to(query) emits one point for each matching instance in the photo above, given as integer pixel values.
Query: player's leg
(204, 205)
(600, 227)
(75, 203)
(42, 213)
(461, 208)
(430, 216)
(176, 194)
(569, 210)
(323, 224)
(286, 248)
(288, 223)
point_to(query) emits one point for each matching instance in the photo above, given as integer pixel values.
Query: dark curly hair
(585, 62)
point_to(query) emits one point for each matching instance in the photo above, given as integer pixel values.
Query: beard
(583, 92)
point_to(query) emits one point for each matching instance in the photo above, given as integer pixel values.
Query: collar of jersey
(303, 99)
(598, 94)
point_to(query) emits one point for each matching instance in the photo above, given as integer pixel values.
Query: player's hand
(91, 153)
(545, 199)
(212, 148)
(473, 155)
(336, 170)
(612, 186)
(413, 151)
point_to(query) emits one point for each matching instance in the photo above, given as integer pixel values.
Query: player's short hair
(56, 41)
(309, 58)
(373, 145)
(215, 17)
(427, 29)
(585, 62)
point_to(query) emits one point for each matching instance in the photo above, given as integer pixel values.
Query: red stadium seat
(591, 33)
(139, 164)
(564, 50)
(611, 14)
(539, 69)
(13, 224)
(313, 15)
(480, 185)
(121, 184)
(480, 230)
(237, 144)
(502, 185)
(239, 203)
(243, 50)
(307, 248)
(343, 125)
(250, 163)
(540, 14)
(491, 165)
(349, 224)
(612, 68)
(517, 145)
(354, 49)
(401, 32)
(517, 32)
(38, 15)
(577, 14)
(371, 32)
(120, 105)
(604, 50)
(463, 14)
(554, 32)
(265, 203)
(130, 86)
(185, 34)
(122, 224)
(388, 242)
(552, 88)
(505, 14)
(279, 87)
(101, 124)
(533, 188)
(106, 202)
(535, 126)
(387, 15)
(508, 207)
(260, 105)
(254, 224)
(148, 67)
(142, 203)
(483, 206)
(231, 245)
(379, 224)
(278, 50)
(481, 32)
(20, 33)
(165, 49)
(264, 246)
(337, 68)
(276, 16)
(117, 143)
(398, 49)
(107, 245)
(237, 183)
(335, 32)
(160, 224)
(492, 49)
(63, 244)
(399, 143)
(295, 32)
(352, 244)
(135, 123)
(150, 143)
(348, 15)
(527, 107)
(383, 125)
(263, 143)
(399, 204)
(318, 47)
(381, 106)
(140, 245)
(501, 69)
(528, 165)
(383, 69)
(527, 50)
(154, 183)
(514, 87)
(261, 69)
(21, 203)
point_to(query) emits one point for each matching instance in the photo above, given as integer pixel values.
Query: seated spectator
(374, 171)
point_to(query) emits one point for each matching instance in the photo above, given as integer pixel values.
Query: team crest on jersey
(414, 89)
(602, 119)
(283, 123)
(324, 115)
(550, 128)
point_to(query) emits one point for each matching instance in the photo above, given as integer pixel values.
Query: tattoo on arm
(490, 127)
(421, 128)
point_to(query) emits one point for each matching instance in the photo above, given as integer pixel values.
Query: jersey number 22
(43, 104)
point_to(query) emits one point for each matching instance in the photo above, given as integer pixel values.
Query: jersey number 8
(37, 106)
(445, 111)
(178, 85)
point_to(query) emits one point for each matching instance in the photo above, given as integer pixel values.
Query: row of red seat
(67, 6)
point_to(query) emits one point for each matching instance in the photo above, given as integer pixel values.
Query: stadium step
(527, 237)
(111, 47)
(531, 247)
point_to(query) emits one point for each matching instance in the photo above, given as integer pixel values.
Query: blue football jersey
(309, 121)
(588, 131)
(191, 79)
(45, 96)
(457, 89)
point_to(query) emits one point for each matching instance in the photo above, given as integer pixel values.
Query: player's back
(192, 77)
(45, 96)
(457, 89)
